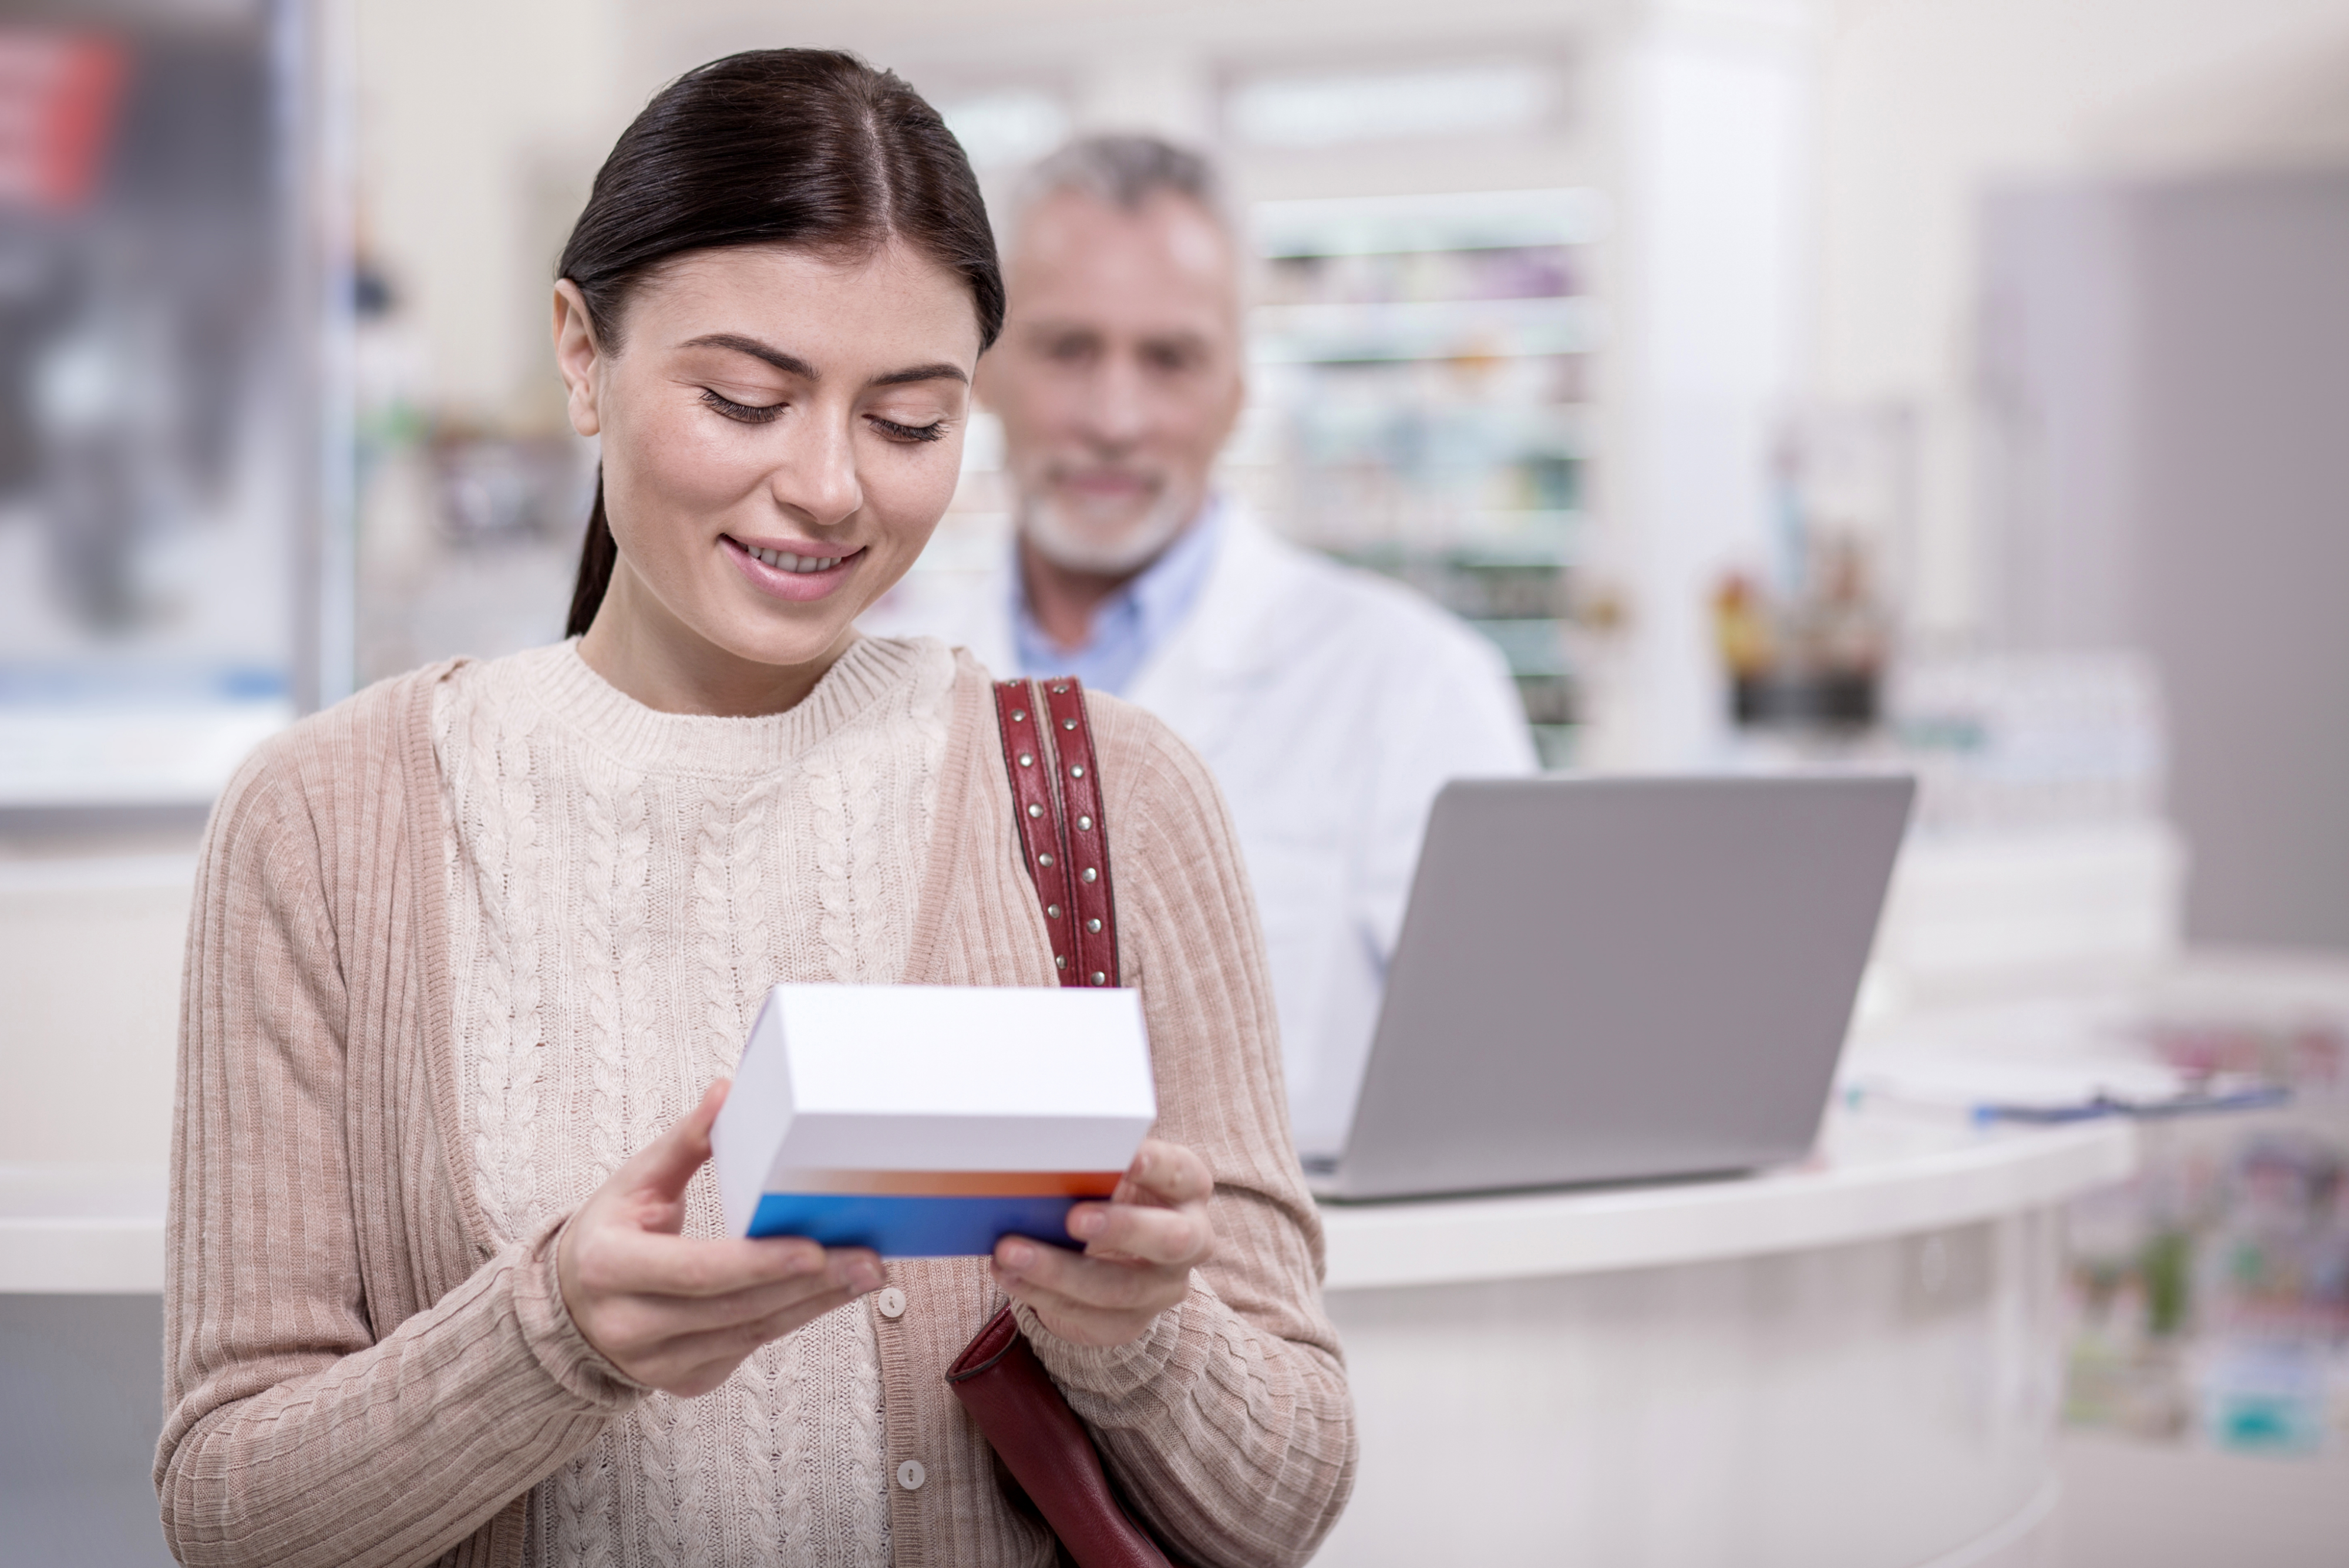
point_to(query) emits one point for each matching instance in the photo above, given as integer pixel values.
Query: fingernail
(865, 1275)
(1018, 1254)
(1086, 1223)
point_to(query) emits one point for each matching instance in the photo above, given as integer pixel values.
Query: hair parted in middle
(809, 148)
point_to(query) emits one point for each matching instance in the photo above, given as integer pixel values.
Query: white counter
(82, 1230)
(1871, 1177)
(98, 1229)
(1853, 1364)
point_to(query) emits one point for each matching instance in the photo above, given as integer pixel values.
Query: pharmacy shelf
(1455, 220)
(1326, 334)
(1532, 647)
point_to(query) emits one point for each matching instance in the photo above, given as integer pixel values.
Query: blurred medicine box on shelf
(930, 1121)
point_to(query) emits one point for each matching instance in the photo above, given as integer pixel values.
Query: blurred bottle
(1814, 665)
(1748, 647)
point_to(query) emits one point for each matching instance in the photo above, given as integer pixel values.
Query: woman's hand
(680, 1313)
(1140, 1249)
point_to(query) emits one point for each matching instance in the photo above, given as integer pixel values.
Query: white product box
(929, 1121)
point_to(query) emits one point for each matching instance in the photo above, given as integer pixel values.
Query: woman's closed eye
(763, 413)
(896, 431)
(748, 413)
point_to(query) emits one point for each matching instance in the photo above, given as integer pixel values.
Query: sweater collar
(653, 741)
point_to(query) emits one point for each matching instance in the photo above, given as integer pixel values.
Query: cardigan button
(910, 1475)
(892, 1302)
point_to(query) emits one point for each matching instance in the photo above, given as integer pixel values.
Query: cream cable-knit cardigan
(357, 1371)
(630, 882)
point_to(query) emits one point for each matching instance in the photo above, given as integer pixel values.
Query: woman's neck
(646, 653)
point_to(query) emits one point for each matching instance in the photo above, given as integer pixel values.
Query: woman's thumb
(668, 1162)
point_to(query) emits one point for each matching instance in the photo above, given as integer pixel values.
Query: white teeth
(787, 562)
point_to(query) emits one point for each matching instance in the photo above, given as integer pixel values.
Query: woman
(446, 1278)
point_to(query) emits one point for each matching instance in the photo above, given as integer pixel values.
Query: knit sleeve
(294, 1434)
(1229, 1423)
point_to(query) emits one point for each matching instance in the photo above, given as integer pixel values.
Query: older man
(1331, 704)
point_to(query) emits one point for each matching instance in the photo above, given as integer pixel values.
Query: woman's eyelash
(760, 413)
(749, 414)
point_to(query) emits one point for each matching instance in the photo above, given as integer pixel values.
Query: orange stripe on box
(951, 1183)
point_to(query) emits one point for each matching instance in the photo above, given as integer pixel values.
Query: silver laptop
(1619, 979)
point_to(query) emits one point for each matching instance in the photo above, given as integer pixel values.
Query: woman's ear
(578, 357)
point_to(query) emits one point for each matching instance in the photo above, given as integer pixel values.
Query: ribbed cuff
(554, 1340)
(1116, 1372)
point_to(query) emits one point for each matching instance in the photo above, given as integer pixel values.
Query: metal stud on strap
(1081, 915)
(1032, 793)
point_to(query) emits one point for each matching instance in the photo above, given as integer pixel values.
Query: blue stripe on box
(896, 1226)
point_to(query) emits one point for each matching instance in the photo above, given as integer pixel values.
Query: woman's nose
(820, 480)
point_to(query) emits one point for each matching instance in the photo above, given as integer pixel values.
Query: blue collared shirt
(1131, 624)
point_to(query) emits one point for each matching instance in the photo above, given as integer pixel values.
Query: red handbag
(1048, 750)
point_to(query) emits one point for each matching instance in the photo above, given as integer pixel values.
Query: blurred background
(1959, 383)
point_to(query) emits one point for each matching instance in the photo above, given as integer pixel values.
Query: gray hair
(1122, 171)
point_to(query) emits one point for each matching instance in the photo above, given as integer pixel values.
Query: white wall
(475, 116)
(89, 961)
(1713, 105)
(1925, 103)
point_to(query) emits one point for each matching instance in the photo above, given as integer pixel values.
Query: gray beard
(1075, 549)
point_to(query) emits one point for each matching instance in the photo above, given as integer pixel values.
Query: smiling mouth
(1107, 482)
(784, 560)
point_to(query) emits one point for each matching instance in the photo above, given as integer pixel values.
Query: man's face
(1118, 375)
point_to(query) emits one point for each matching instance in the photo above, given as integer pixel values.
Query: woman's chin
(815, 640)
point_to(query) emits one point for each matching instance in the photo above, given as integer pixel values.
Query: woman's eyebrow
(789, 364)
(793, 365)
(938, 372)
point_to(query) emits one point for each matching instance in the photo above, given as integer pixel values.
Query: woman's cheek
(914, 495)
(687, 466)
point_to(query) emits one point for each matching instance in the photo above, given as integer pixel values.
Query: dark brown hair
(796, 147)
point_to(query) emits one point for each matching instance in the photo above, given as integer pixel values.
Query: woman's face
(781, 433)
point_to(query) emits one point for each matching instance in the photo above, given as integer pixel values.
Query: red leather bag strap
(1046, 1450)
(1047, 751)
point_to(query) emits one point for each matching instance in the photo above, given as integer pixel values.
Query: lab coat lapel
(1230, 641)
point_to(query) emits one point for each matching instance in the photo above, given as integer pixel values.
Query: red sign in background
(58, 93)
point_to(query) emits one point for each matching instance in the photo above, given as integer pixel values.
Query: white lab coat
(1330, 705)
